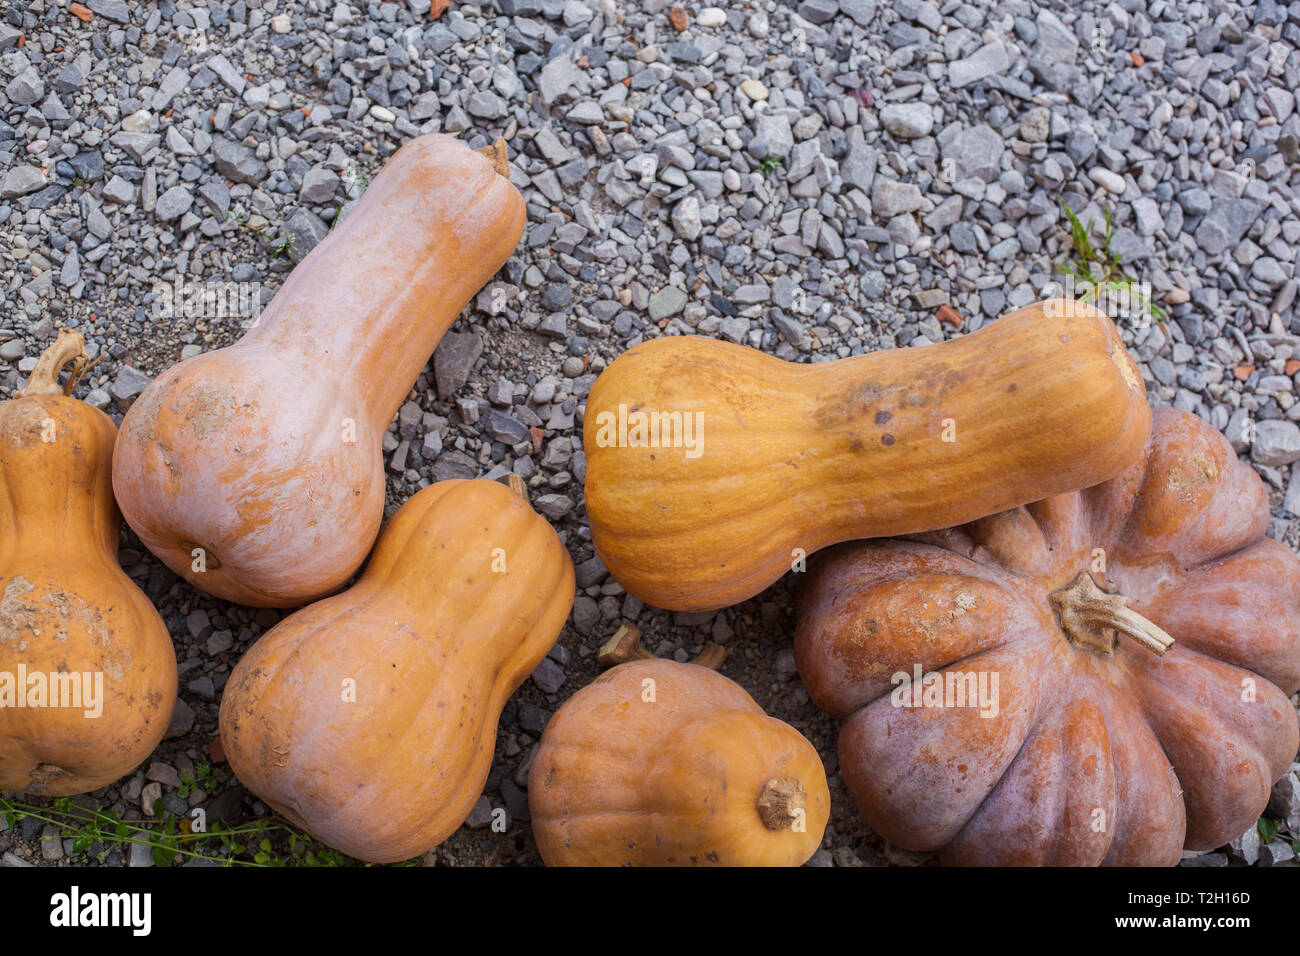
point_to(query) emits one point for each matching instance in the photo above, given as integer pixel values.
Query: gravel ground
(815, 179)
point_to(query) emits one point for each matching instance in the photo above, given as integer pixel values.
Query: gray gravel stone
(1277, 442)
(129, 383)
(975, 151)
(236, 161)
(890, 198)
(686, 219)
(774, 130)
(907, 120)
(137, 145)
(305, 230)
(21, 180)
(318, 185)
(26, 88)
(1225, 224)
(989, 60)
(453, 360)
(174, 203)
(228, 75)
(666, 302)
(548, 676)
(115, 10)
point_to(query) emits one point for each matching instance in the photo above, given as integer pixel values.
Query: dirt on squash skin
(208, 408)
(22, 615)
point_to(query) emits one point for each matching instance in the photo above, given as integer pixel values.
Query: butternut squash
(254, 471)
(714, 468)
(369, 718)
(87, 670)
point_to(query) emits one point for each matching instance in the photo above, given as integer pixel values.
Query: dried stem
(779, 801)
(626, 646)
(517, 485)
(1094, 619)
(498, 156)
(70, 346)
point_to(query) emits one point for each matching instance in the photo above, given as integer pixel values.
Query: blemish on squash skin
(22, 616)
(207, 408)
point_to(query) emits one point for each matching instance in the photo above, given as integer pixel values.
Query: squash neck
(1095, 619)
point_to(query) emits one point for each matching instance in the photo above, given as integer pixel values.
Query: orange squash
(1103, 675)
(87, 670)
(369, 718)
(658, 763)
(712, 468)
(255, 471)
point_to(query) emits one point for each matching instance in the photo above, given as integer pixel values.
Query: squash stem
(498, 156)
(517, 485)
(70, 346)
(781, 802)
(626, 646)
(1094, 619)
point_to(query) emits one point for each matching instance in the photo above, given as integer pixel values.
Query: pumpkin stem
(781, 802)
(498, 156)
(711, 657)
(516, 483)
(626, 646)
(1094, 619)
(70, 346)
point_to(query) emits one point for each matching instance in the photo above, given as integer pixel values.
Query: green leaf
(1268, 829)
(1079, 234)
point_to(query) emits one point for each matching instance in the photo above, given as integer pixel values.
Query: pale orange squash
(255, 471)
(87, 670)
(658, 763)
(369, 718)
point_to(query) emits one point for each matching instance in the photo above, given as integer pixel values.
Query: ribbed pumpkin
(1144, 635)
(87, 671)
(658, 763)
(369, 718)
(712, 469)
(255, 471)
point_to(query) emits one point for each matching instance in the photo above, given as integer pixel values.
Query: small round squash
(658, 763)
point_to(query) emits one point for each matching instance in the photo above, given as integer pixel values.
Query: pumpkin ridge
(1239, 740)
